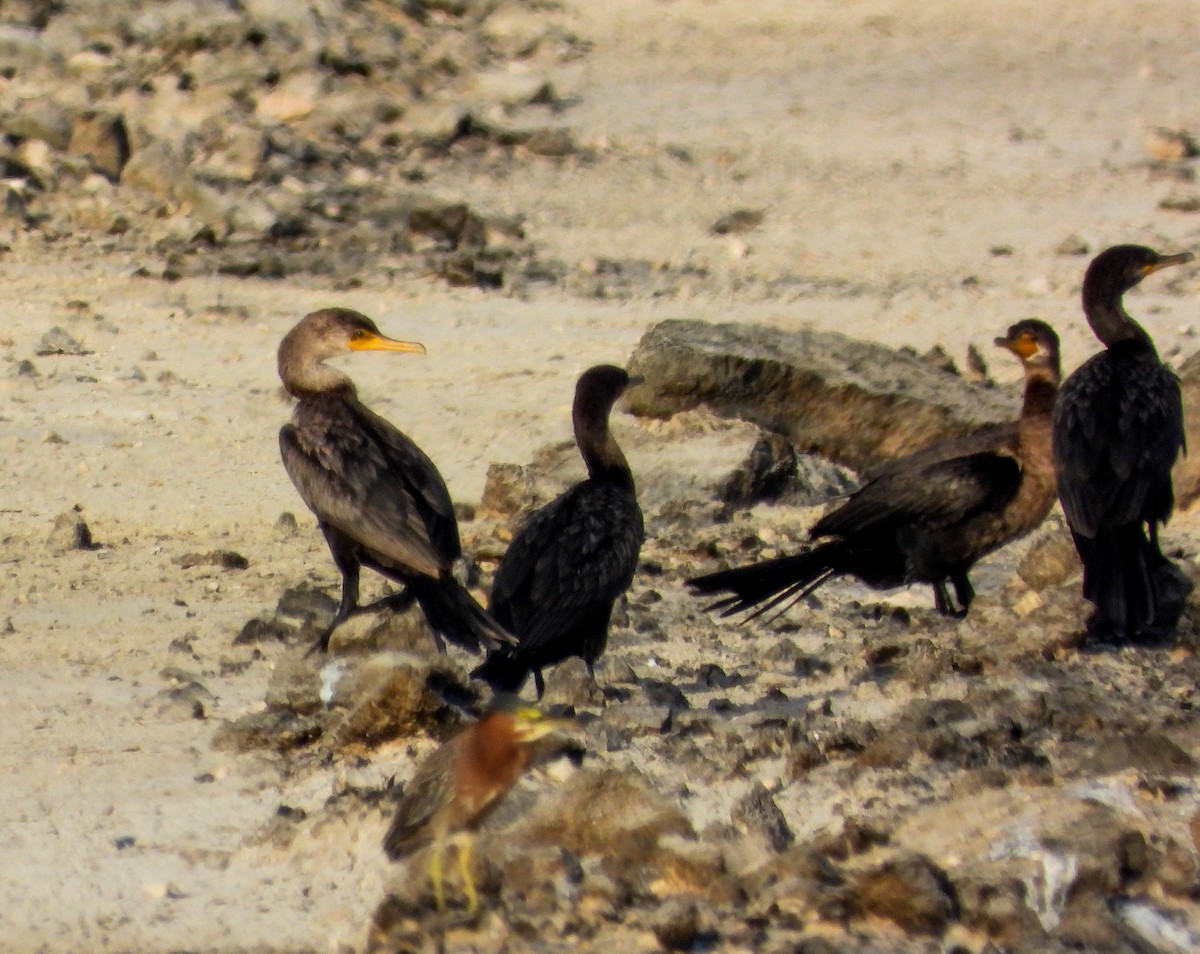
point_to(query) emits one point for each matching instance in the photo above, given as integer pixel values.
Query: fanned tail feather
(783, 580)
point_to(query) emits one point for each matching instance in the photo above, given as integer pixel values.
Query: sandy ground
(892, 145)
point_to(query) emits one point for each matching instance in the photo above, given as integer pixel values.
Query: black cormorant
(557, 583)
(380, 502)
(1118, 429)
(929, 516)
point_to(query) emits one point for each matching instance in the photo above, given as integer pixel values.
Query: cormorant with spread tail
(380, 502)
(929, 516)
(1118, 430)
(557, 583)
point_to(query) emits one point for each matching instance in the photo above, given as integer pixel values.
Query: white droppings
(330, 674)
(1049, 885)
(1113, 794)
(1157, 928)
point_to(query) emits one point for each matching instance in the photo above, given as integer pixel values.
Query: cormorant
(1118, 429)
(380, 502)
(557, 583)
(929, 516)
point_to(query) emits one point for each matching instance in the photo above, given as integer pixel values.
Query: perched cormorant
(557, 583)
(929, 516)
(378, 499)
(1118, 429)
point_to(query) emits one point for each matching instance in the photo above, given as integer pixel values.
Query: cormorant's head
(1033, 341)
(598, 388)
(1116, 270)
(333, 331)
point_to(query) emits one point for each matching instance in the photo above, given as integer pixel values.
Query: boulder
(858, 403)
(1187, 468)
(103, 140)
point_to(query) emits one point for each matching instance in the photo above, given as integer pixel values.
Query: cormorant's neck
(1041, 389)
(1106, 314)
(303, 376)
(599, 449)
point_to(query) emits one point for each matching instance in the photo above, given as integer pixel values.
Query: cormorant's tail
(503, 671)
(454, 615)
(1136, 590)
(771, 582)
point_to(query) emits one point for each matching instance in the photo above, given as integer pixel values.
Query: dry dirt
(918, 164)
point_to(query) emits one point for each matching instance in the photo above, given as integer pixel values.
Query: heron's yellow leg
(436, 875)
(464, 868)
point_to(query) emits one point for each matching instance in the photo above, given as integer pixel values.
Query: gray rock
(1072, 245)
(740, 220)
(279, 729)
(70, 532)
(239, 156)
(20, 46)
(765, 475)
(910, 891)
(677, 924)
(508, 489)
(1187, 469)
(263, 630)
(46, 121)
(757, 812)
(1051, 560)
(860, 404)
(393, 695)
(103, 140)
(818, 481)
(616, 815)
(57, 341)
(570, 684)
(13, 204)
(157, 169)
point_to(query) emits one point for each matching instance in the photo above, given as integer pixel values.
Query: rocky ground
(530, 188)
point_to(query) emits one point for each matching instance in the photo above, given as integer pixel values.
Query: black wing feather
(941, 493)
(570, 561)
(361, 475)
(1118, 429)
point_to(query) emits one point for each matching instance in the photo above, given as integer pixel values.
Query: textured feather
(933, 495)
(1117, 433)
(430, 789)
(362, 476)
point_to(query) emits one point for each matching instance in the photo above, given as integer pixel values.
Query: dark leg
(346, 609)
(539, 682)
(964, 591)
(344, 557)
(941, 599)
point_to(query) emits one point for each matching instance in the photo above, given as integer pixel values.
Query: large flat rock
(1187, 469)
(855, 402)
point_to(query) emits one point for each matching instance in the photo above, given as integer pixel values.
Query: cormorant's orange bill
(1023, 345)
(1166, 260)
(366, 341)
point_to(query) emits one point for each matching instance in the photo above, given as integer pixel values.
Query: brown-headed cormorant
(1118, 429)
(380, 502)
(929, 516)
(557, 583)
